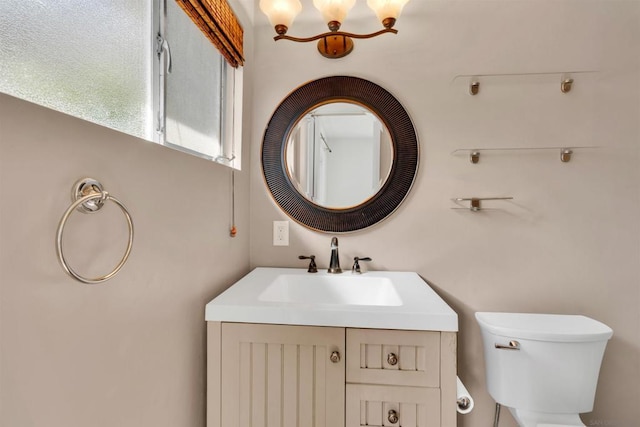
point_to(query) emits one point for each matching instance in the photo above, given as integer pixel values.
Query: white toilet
(543, 367)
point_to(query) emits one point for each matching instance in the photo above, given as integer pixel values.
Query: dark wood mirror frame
(403, 168)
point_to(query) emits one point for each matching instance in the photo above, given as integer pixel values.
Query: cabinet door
(371, 405)
(282, 376)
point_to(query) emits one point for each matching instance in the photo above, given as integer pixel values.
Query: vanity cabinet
(277, 375)
(297, 376)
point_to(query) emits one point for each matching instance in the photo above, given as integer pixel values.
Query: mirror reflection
(339, 155)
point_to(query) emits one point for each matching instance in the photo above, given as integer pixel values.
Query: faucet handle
(313, 268)
(356, 264)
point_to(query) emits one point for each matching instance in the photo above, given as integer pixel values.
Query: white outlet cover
(280, 233)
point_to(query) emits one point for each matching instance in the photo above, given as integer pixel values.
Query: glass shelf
(474, 153)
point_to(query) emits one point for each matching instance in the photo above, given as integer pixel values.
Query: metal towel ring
(89, 198)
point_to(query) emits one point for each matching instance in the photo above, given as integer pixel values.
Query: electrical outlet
(280, 233)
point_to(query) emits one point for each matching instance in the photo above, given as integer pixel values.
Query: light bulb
(387, 10)
(281, 12)
(334, 10)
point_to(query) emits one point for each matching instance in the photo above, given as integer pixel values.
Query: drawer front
(410, 358)
(392, 406)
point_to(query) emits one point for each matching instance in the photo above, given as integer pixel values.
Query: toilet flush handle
(513, 345)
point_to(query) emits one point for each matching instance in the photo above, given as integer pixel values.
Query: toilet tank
(556, 367)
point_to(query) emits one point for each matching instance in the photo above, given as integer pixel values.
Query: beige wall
(129, 352)
(569, 242)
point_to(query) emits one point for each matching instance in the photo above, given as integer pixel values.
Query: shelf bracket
(565, 85)
(565, 155)
(474, 87)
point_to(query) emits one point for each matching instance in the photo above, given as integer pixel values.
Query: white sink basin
(337, 289)
(376, 299)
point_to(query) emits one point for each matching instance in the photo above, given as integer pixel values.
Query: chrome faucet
(334, 264)
(313, 268)
(356, 264)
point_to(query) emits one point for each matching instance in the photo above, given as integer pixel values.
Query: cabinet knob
(335, 357)
(392, 359)
(393, 416)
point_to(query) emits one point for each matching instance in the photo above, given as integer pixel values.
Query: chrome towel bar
(89, 197)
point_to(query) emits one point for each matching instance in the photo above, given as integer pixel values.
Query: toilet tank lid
(544, 327)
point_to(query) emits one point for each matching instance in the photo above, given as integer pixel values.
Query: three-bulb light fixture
(334, 43)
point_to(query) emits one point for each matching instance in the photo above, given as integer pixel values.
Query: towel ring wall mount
(88, 196)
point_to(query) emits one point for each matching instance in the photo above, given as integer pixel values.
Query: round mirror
(317, 165)
(339, 155)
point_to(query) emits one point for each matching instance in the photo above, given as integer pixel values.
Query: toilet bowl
(543, 367)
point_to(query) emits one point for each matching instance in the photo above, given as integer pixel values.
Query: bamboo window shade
(216, 20)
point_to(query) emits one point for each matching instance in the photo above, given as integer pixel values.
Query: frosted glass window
(90, 59)
(194, 87)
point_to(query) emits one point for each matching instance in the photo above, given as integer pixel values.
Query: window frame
(231, 102)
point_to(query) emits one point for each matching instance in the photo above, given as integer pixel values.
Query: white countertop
(375, 299)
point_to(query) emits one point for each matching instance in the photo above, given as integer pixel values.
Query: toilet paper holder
(464, 401)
